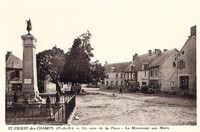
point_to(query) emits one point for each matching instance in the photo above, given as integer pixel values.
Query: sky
(119, 28)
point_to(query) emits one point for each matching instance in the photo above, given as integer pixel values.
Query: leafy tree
(77, 60)
(50, 62)
(98, 72)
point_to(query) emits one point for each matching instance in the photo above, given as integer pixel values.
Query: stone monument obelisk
(29, 74)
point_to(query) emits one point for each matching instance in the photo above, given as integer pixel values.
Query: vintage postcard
(105, 65)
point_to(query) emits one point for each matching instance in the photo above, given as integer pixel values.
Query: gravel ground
(104, 108)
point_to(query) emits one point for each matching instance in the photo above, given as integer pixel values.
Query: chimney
(149, 53)
(158, 51)
(135, 56)
(164, 50)
(193, 31)
(8, 54)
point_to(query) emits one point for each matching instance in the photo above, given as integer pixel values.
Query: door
(184, 82)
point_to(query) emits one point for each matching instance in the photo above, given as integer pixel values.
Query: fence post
(15, 97)
(48, 101)
(57, 97)
(66, 112)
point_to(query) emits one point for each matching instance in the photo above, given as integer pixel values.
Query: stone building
(115, 74)
(163, 71)
(135, 73)
(13, 72)
(186, 64)
(143, 72)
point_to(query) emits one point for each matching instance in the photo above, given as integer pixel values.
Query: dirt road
(134, 109)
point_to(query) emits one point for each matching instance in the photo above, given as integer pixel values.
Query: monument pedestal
(29, 92)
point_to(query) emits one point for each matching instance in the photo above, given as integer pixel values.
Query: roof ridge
(118, 63)
(14, 60)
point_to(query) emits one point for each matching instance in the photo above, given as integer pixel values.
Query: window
(156, 72)
(132, 68)
(130, 76)
(14, 74)
(174, 64)
(145, 73)
(121, 75)
(122, 83)
(106, 75)
(116, 83)
(151, 72)
(116, 75)
(112, 69)
(106, 82)
(142, 66)
(133, 76)
(112, 83)
(181, 64)
(144, 83)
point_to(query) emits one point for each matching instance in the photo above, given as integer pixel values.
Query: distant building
(163, 71)
(13, 73)
(130, 73)
(186, 64)
(115, 74)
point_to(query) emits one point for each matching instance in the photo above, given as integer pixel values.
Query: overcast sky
(119, 28)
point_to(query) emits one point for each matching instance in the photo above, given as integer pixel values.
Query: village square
(53, 87)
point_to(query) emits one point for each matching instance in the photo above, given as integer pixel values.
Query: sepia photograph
(104, 65)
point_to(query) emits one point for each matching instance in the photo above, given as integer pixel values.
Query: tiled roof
(14, 62)
(117, 67)
(158, 61)
(144, 58)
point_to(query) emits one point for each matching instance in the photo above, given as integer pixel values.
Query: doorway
(184, 82)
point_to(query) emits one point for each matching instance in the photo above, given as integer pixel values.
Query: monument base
(29, 98)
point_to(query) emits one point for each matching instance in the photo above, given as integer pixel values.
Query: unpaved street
(134, 109)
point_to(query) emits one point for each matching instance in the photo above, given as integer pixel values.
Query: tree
(98, 72)
(77, 61)
(50, 62)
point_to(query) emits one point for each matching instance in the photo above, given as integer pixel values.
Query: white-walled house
(143, 72)
(115, 74)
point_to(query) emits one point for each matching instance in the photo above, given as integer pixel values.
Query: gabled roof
(144, 58)
(190, 38)
(14, 62)
(161, 58)
(116, 67)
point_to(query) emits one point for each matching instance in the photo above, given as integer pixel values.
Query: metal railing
(69, 107)
(53, 113)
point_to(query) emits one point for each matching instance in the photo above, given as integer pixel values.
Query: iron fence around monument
(53, 113)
